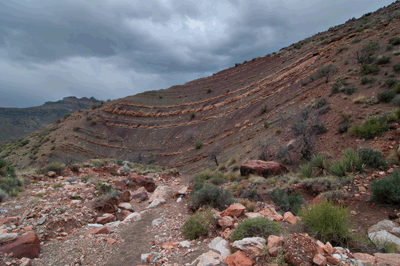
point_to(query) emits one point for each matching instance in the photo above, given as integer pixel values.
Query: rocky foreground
(70, 219)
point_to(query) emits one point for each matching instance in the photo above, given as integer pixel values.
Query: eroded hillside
(247, 111)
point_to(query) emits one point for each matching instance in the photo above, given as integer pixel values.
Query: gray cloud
(115, 48)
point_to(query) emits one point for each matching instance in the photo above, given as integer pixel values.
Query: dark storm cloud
(115, 48)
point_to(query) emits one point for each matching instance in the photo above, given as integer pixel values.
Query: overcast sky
(114, 48)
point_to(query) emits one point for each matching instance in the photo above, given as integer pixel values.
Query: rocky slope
(18, 122)
(247, 110)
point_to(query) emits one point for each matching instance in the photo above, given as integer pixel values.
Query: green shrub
(386, 96)
(342, 128)
(387, 189)
(256, 227)
(210, 195)
(369, 129)
(192, 115)
(348, 163)
(305, 170)
(396, 68)
(394, 40)
(371, 157)
(8, 183)
(327, 222)
(263, 109)
(370, 48)
(287, 202)
(24, 142)
(349, 91)
(319, 128)
(322, 102)
(391, 83)
(93, 123)
(76, 128)
(3, 195)
(198, 225)
(202, 177)
(266, 124)
(66, 115)
(103, 187)
(250, 194)
(367, 69)
(198, 144)
(384, 60)
(54, 166)
(218, 178)
(208, 90)
(366, 80)
(57, 121)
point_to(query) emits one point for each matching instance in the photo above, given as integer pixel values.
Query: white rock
(251, 245)
(7, 237)
(221, 245)
(156, 222)
(133, 217)
(96, 225)
(337, 256)
(161, 193)
(155, 203)
(125, 206)
(252, 215)
(179, 200)
(386, 225)
(208, 259)
(383, 236)
(184, 244)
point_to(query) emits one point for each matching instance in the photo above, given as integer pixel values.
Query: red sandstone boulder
(299, 249)
(26, 245)
(142, 181)
(235, 210)
(262, 168)
(238, 259)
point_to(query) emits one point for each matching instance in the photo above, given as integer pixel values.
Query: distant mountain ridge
(18, 122)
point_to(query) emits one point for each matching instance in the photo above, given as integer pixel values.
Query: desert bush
(198, 225)
(366, 80)
(367, 69)
(287, 202)
(391, 83)
(210, 195)
(93, 123)
(327, 222)
(65, 116)
(54, 166)
(202, 177)
(192, 115)
(348, 163)
(349, 91)
(394, 40)
(369, 129)
(305, 170)
(387, 189)
(103, 188)
(208, 90)
(386, 96)
(383, 61)
(263, 109)
(266, 124)
(198, 144)
(396, 68)
(256, 227)
(371, 157)
(24, 142)
(250, 194)
(370, 48)
(3, 195)
(232, 161)
(218, 178)
(319, 128)
(322, 102)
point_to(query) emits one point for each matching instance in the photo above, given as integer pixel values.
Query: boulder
(141, 194)
(319, 260)
(388, 259)
(251, 245)
(235, 210)
(133, 217)
(226, 221)
(274, 241)
(262, 168)
(221, 246)
(238, 259)
(119, 185)
(274, 251)
(126, 196)
(161, 193)
(51, 174)
(289, 218)
(364, 258)
(105, 218)
(120, 216)
(4, 238)
(386, 225)
(125, 206)
(299, 249)
(384, 237)
(208, 259)
(142, 181)
(124, 170)
(98, 230)
(26, 245)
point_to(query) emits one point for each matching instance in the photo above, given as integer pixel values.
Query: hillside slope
(248, 111)
(18, 122)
